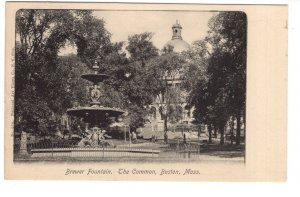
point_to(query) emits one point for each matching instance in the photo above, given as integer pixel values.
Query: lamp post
(129, 134)
(164, 109)
(127, 75)
(125, 134)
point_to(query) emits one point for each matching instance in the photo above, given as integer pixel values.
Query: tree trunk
(165, 129)
(209, 133)
(231, 130)
(238, 129)
(199, 132)
(215, 131)
(221, 129)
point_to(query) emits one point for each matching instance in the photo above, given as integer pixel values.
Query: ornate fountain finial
(95, 67)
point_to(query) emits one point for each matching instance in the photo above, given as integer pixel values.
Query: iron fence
(184, 149)
(69, 148)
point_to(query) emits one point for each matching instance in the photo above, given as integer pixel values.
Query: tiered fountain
(96, 118)
(95, 115)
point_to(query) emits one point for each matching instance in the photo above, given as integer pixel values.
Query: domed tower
(155, 126)
(177, 43)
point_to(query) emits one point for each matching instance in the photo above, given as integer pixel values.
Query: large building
(155, 126)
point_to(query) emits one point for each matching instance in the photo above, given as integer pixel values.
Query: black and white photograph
(146, 92)
(161, 85)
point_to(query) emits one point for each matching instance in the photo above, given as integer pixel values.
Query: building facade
(183, 114)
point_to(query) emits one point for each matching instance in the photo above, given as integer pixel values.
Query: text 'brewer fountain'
(95, 115)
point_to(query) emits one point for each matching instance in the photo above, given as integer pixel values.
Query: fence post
(129, 133)
(52, 147)
(177, 147)
(125, 134)
(102, 151)
(189, 150)
(184, 150)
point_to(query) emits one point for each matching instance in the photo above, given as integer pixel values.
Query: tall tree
(141, 47)
(130, 78)
(41, 80)
(219, 62)
(228, 36)
(195, 82)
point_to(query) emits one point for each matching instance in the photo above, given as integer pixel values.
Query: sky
(122, 24)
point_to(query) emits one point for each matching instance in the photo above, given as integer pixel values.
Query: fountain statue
(95, 115)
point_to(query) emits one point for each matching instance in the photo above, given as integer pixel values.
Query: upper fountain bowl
(95, 78)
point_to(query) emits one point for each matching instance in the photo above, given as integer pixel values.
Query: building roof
(177, 43)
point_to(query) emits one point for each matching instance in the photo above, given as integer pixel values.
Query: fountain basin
(94, 77)
(95, 111)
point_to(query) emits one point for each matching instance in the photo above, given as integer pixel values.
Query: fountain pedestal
(95, 114)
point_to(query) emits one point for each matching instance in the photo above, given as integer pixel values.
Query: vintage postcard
(169, 92)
